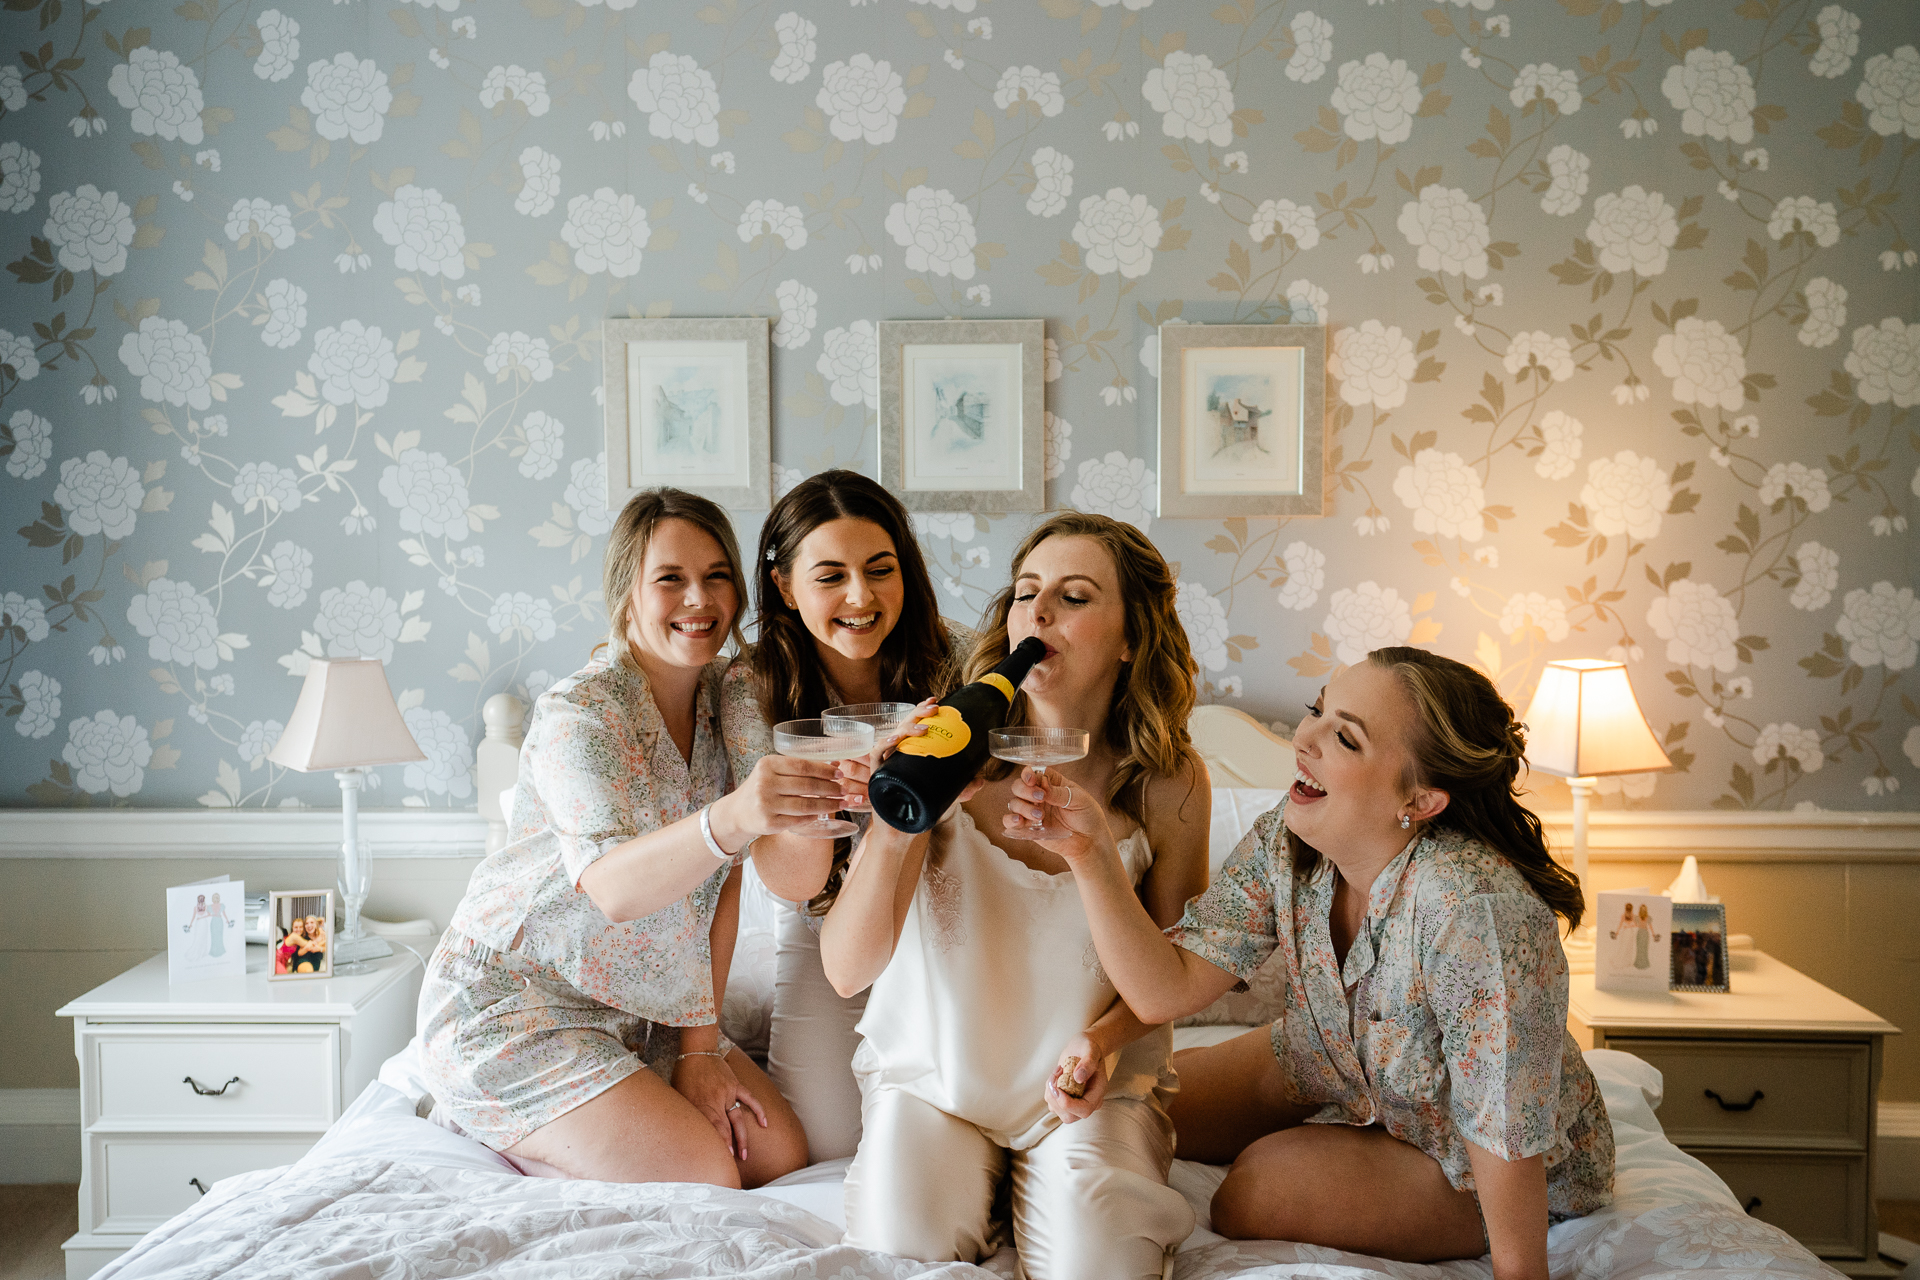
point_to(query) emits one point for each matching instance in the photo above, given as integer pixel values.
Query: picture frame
(962, 414)
(1633, 933)
(299, 934)
(688, 406)
(207, 930)
(1700, 961)
(1243, 411)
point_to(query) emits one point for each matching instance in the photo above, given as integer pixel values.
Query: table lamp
(346, 721)
(1584, 723)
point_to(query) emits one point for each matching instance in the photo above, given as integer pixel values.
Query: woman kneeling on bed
(1421, 1099)
(592, 950)
(982, 966)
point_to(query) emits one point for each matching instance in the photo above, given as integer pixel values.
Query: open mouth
(695, 627)
(1304, 787)
(860, 623)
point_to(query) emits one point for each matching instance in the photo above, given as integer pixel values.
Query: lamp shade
(1584, 722)
(345, 718)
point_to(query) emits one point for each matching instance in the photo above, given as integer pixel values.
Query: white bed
(390, 1195)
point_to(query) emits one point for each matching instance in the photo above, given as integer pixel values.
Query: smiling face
(1067, 593)
(847, 586)
(684, 598)
(1352, 759)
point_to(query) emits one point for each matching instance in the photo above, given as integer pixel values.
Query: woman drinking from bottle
(846, 615)
(1423, 1054)
(986, 991)
(570, 1015)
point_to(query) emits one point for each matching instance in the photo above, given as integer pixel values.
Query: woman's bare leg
(640, 1130)
(1230, 1095)
(1350, 1188)
(781, 1147)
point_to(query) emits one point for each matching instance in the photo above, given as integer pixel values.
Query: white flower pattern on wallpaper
(1880, 625)
(1205, 620)
(448, 768)
(1365, 618)
(179, 622)
(25, 615)
(1789, 741)
(39, 705)
(91, 229)
(467, 134)
(679, 97)
(108, 753)
(161, 92)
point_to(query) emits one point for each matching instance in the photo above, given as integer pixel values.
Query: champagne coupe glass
(814, 740)
(1038, 747)
(886, 719)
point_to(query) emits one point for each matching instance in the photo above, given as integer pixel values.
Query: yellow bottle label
(1000, 682)
(947, 734)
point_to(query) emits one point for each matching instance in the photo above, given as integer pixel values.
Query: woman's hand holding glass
(710, 1085)
(1090, 1071)
(782, 793)
(1046, 795)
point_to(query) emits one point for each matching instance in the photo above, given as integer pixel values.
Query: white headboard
(1239, 751)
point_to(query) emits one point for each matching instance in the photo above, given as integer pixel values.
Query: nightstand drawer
(288, 1075)
(1819, 1200)
(1771, 1093)
(139, 1180)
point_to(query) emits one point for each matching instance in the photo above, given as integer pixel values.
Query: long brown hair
(1146, 727)
(788, 678)
(627, 551)
(1467, 743)
(789, 681)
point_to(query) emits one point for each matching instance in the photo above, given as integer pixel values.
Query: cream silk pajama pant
(1090, 1200)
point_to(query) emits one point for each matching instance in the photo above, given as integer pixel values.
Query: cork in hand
(1065, 1081)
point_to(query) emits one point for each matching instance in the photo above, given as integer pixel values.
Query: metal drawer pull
(195, 1182)
(1752, 1204)
(1736, 1106)
(205, 1092)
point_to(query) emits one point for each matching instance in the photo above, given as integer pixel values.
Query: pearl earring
(1405, 822)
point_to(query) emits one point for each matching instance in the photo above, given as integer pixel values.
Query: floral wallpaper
(300, 347)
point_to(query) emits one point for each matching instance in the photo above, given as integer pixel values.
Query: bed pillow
(747, 1016)
(1235, 810)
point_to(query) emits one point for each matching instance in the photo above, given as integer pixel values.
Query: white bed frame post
(497, 763)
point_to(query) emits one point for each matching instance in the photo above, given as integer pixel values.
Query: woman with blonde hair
(987, 996)
(570, 1016)
(1423, 1054)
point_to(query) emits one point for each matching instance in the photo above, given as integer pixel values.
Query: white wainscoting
(246, 833)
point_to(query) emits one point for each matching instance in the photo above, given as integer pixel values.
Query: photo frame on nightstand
(1700, 961)
(300, 934)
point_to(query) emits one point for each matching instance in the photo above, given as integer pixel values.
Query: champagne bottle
(924, 774)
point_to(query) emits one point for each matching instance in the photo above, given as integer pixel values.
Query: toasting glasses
(817, 740)
(1038, 747)
(886, 719)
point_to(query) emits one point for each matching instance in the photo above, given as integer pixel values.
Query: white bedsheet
(386, 1194)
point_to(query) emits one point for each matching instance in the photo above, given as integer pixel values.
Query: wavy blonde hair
(1147, 718)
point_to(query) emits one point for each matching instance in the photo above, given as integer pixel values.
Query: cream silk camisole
(994, 972)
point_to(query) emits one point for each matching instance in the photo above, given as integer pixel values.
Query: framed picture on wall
(962, 427)
(299, 934)
(1242, 420)
(687, 406)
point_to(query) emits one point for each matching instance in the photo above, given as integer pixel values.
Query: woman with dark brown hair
(1423, 1054)
(570, 1017)
(994, 1047)
(846, 614)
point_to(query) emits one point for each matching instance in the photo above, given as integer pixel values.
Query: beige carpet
(34, 1220)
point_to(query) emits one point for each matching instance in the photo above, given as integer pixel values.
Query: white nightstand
(1771, 1086)
(182, 1086)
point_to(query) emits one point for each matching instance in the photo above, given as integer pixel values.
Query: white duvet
(390, 1196)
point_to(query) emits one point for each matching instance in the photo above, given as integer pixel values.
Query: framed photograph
(1700, 947)
(1634, 930)
(962, 423)
(687, 406)
(1242, 420)
(207, 930)
(299, 934)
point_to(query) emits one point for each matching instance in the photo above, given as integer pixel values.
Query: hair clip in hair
(770, 556)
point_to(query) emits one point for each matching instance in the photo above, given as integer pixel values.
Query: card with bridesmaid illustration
(1634, 942)
(207, 930)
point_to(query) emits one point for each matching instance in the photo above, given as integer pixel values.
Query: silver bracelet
(706, 833)
(726, 1047)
